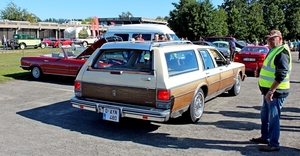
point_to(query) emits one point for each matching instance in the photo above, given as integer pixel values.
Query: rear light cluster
(77, 88)
(163, 95)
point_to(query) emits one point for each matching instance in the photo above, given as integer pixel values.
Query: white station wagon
(154, 81)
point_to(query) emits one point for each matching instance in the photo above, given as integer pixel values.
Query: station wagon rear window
(125, 60)
(181, 62)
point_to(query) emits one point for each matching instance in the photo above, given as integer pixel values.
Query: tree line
(243, 19)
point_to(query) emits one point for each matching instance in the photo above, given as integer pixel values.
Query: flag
(96, 24)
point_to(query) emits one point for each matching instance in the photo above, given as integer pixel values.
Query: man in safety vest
(274, 83)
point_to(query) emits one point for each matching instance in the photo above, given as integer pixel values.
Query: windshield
(74, 51)
(174, 37)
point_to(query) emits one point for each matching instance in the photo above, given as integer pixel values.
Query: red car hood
(90, 50)
(93, 47)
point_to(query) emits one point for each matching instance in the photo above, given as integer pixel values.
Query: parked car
(49, 41)
(65, 62)
(63, 42)
(252, 56)
(224, 51)
(23, 41)
(224, 44)
(154, 81)
(224, 38)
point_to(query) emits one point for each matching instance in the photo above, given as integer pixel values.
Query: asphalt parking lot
(36, 118)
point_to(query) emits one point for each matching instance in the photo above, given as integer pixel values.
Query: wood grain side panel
(183, 95)
(122, 94)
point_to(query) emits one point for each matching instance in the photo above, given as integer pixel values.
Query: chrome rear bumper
(144, 113)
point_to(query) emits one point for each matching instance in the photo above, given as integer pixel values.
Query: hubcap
(238, 84)
(36, 72)
(198, 105)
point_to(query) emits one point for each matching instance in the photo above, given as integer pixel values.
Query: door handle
(46, 60)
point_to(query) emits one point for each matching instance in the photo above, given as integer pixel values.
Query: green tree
(219, 26)
(14, 12)
(193, 19)
(292, 16)
(255, 22)
(274, 16)
(126, 15)
(236, 11)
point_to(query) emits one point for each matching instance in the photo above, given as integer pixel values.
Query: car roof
(139, 28)
(148, 45)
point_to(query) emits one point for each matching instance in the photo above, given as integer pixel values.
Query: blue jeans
(270, 124)
(5, 46)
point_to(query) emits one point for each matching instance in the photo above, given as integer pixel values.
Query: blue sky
(81, 9)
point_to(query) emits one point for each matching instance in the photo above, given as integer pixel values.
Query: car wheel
(43, 45)
(236, 88)
(197, 106)
(36, 72)
(22, 46)
(59, 45)
(84, 44)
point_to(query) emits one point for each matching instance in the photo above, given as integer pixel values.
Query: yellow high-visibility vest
(267, 72)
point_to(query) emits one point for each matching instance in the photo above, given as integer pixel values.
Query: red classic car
(252, 56)
(49, 41)
(66, 62)
(63, 42)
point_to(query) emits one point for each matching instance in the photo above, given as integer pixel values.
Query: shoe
(259, 140)
(269, 148)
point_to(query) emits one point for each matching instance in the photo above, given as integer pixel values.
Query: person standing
(274, 85)
(232, 48)
(4, 42)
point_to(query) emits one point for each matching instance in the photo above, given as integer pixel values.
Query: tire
(236, 88)
(36, 72)
(22, 46)
(85, 44)
(196, 108)
(59, 45)
(43, 45)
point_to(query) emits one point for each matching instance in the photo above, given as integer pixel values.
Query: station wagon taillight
(163, 95)
(77, 86)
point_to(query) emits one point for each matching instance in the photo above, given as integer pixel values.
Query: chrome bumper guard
(153, 114)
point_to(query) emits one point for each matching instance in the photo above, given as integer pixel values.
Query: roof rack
(167, 43)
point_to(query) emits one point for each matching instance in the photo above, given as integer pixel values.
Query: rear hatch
(121, 76)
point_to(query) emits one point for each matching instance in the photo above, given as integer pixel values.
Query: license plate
(111, 114)
(248, 59)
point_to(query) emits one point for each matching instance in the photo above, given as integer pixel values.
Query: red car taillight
(163, 95)
(236, 58)
(261, 59)
(77, 86)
